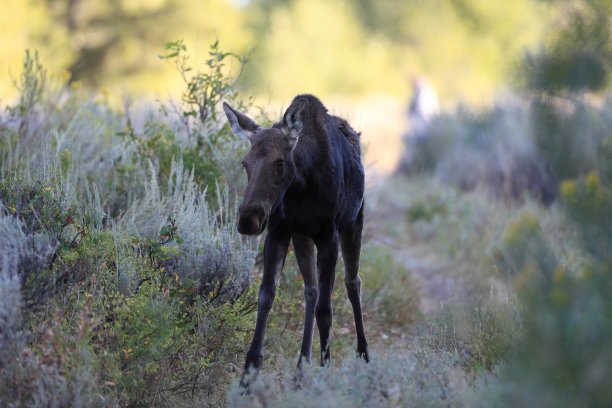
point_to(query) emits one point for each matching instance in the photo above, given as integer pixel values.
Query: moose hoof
(248, 377)
(251, 368)
(303, 360)
(364, 355)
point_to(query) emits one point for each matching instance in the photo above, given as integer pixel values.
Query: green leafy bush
(43, 229)
(190, 131)
(577, 55)
(390, 296)
(479, 333)
(564, 357)
(523, 246)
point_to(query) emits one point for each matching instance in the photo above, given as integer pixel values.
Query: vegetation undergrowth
(124, 281)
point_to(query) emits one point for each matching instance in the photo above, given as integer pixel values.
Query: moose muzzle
(252, 219)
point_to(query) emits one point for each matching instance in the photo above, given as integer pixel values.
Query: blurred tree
(23, 25)
(114, 43)
(396, 18)
(571, 136)
(99, 30)
(465, 47)
(387, 17)
(356, 47)
(334, 55)
(578, 53)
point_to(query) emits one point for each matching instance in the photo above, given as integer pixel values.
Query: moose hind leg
(350, 242)
(304, 254)
(327, 255)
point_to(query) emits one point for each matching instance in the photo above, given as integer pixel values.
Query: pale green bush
(35, 377)
(393, 378)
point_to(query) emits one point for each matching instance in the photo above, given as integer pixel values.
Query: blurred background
(360, 56)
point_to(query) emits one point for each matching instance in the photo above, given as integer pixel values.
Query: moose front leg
(275, 250)
(327, 255)
(304, 254)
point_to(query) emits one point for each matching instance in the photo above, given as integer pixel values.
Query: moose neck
(310, 160)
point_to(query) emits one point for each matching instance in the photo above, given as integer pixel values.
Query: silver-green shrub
(26, 377)
(210, 250)
(394, 378)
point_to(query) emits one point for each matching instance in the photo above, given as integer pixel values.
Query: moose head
(269, 164)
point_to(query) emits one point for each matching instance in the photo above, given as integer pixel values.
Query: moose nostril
(248, 225)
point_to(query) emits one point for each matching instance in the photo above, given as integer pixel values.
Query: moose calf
(306, 184)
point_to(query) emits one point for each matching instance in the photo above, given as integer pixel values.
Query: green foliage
(390, 296)
(571, 135)
(175, 344)
(31, 83)
(205, 90)
(20, 123)
(158, 144)
(578, 54)
(201, 144)
(588, 203)
(479, 333)
(564, 357)
(39, 209)
(523, 246)
(146, 330)
(428, 210)
(36, 205)
(60, 368)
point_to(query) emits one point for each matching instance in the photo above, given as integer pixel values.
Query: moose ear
(293, 120)
(243, 126)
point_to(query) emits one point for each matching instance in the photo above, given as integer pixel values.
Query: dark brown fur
(306, 184)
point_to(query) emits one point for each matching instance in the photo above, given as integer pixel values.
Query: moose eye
(280, 163)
